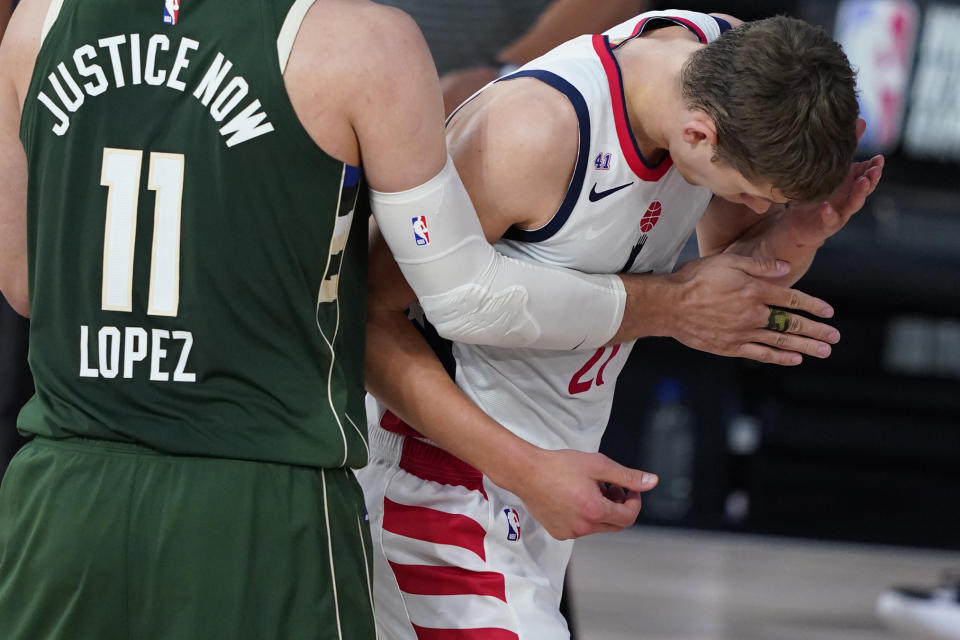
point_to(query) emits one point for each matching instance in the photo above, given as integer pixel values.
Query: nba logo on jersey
(420, 231)
(513, 524)
(171, 11)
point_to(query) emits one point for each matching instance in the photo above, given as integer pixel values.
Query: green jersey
(197, 272)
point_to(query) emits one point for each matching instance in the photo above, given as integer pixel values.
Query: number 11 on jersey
(121, 175)
(114, 351)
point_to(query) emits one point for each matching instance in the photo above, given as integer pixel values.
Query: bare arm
(5, 9)
(381, 108)
(561, 489)
(13, 198)
(565, 19)
(559, 22)
(18, 51)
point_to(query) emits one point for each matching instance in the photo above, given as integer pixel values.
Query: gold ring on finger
(778, 320)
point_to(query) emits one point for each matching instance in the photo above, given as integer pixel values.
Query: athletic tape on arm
(473, 294)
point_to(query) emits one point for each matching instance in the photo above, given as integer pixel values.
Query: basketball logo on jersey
(420, 231)
(171, 11)
(650, 218)
(647, 223)
(513, 524)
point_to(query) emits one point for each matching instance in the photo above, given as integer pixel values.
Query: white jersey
(619, 214)
(454, 554)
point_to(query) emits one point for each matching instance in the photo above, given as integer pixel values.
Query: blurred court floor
(671, 584)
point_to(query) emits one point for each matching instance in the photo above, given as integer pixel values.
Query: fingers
(798, 300)
(875, 171)
(796, 343)
(598, 495)
(622, 514)
(802, 336)
(601, 515)
(618, 475)
(866, 176)
(769, 355)
(759, 267)
(614, 493)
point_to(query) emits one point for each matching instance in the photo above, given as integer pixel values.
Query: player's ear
(699, 128)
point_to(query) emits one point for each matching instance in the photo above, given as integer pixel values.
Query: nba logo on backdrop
(420, 231)
(513, 524)
(171, 11)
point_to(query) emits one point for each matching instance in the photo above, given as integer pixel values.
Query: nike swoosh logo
(599, 195)
(595, 232)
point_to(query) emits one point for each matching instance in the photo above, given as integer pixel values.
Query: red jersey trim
(628, 145)
(692, 26)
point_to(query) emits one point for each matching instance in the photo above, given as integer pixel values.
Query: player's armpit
(13, 168)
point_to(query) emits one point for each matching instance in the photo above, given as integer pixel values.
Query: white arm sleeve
(473, 294)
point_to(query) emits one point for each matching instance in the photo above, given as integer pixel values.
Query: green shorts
(104, 540)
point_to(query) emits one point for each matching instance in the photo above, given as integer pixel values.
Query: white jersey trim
(288, 32)
(333, 568)
(53, 12)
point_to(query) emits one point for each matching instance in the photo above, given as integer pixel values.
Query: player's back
(196, 283)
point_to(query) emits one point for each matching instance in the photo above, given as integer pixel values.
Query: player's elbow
(476, 314)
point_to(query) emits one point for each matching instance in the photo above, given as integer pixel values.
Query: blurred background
(789, 499)
(864, 445)
(841, 458)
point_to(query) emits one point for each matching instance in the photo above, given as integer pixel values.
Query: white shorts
(455, 556)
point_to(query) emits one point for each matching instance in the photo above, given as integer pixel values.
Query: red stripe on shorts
(426, 580)
(390, 422)
(428, 462)
(431, 525)
(488, 633)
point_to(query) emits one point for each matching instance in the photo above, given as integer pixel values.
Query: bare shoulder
(21, 43)
(532, 120)
(371, 40)
(519, 137)
(363, 84)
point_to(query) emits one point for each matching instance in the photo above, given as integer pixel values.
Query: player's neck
(651, 83)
